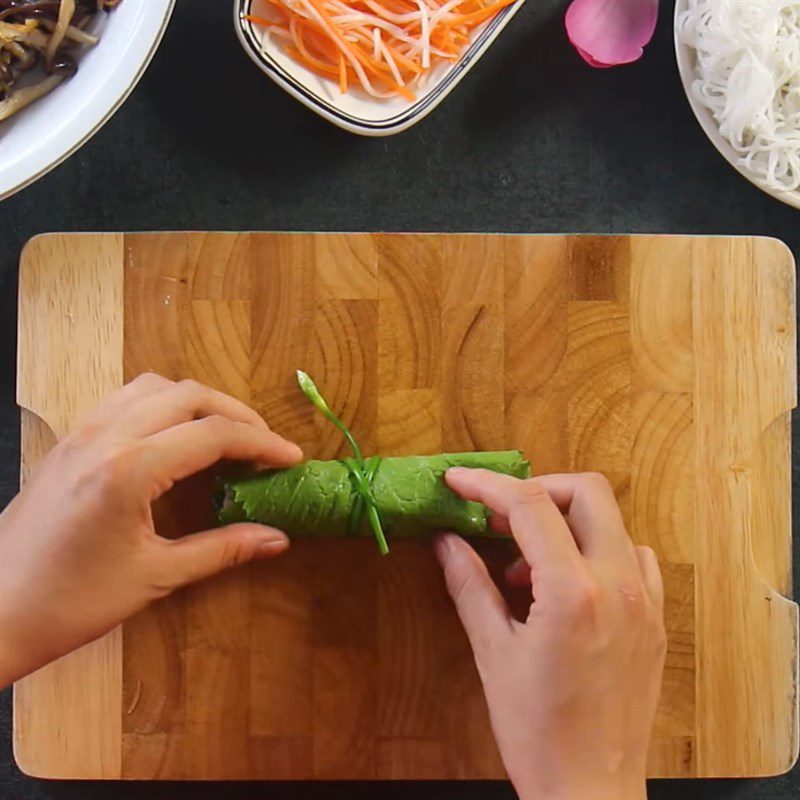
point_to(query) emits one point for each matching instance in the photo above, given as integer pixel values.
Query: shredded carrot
(383, 47)
(257, 20)
(477, 17)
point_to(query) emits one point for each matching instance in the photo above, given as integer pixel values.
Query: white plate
(685, 56)
(355, 111)
(42, 135)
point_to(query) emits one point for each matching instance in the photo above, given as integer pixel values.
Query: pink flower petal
(587, 57)
(611, 32)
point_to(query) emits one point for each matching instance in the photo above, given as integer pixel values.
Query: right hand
(572, 691)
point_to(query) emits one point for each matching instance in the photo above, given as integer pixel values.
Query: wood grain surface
(668, 363)
(66, 716)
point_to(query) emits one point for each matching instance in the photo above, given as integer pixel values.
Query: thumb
(481, 608)
(203, 554)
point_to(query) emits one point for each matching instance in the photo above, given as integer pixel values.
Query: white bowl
(685, 56)
(355, 111)
(48, 131)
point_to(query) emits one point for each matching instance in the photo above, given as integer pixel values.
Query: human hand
(572, 692)
(78, 549)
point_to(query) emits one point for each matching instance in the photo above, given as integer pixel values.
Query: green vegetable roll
(320, 498)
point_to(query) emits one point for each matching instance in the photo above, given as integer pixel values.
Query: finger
(147, 383)
(200, 555)
(481, 608)
(182, 402)
(518, 573)
(651, 575)
(499, 524)
(144, 383)
(187, 448)
(587, 500)
(498, 492)
(543, 536)
(110, 409)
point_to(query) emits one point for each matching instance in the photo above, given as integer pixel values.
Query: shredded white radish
(386, 14)
(392, 64)
(747, 74)
(398, 33)
(425, 34)
(443, 13)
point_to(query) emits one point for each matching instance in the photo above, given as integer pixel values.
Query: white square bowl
(355, 111)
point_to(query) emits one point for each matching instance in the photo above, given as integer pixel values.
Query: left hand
(78, 549)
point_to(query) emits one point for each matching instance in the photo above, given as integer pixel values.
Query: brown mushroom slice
(73, 33)
(65, 13)
(20, 98)
(27, 59)
(33, 8)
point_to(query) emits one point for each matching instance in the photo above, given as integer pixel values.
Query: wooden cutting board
(668, 363)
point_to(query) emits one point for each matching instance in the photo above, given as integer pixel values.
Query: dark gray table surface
(533, 140)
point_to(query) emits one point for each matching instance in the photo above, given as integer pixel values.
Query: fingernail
(295, 450)
(455, 473)
(272, 546)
